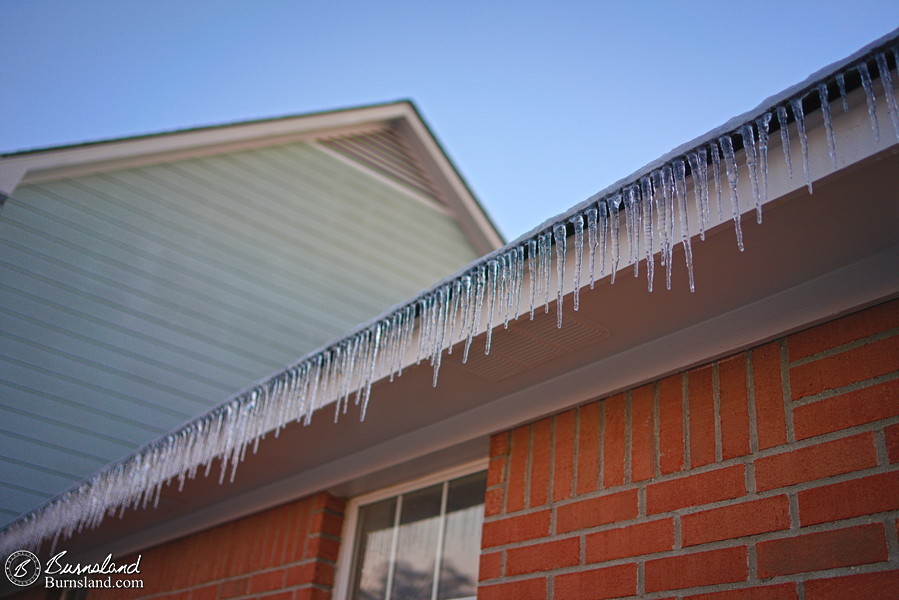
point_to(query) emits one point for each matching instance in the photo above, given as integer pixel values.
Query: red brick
(701, 417)
(865, 496)
(642, 433)
(694, 490)
(735, 521)
(209, 592)
(311, 593)
(770, 418)
(563, 457)
(327, 522)
(733, 402)
(496, 470)
(529, 589)
(593, 512)
(823, 550)
(728, 565)
(493, 502)
(541, 447)
(267, 581)
(858, 364)
(865, 586)
(490, 566)
(233, 588)
(841, 331)
(499, 444)
(784, 591)
(316, 571)
(588, 448)
(816, 462)
(543, 557)
(633, 540)
(598, 584)
(613, 441)
(282, 596)
(847, 410)
(322, 547)
(518, 468)
(891, 434)
(671, 425)
(516, 529)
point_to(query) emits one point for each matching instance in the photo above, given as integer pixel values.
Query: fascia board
(55, 163)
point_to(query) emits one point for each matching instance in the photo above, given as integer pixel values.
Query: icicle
(730, 165)
(603, 234)
(705, 216)
(783, 123)
(648, 242)
(762, 124)
(546, 259)
(577, 222)
(592, 240)
(509, 270)
(492, 276)
(680, 182)
(870, 99)
(532, 271)
(376, 345)
(828, 123)
(752, 165)
(614, 206)
(445, 302)
(693, 159)
(796, 105)
(659, 194)
(633, 218)
(559, 235)
(886, 81)
(520, 280)
(841, 83)
(668, 201)
(475, 318)
(716, 172)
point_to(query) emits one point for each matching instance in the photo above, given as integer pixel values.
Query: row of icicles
(654, 209)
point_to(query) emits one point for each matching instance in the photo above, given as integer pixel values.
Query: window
(422, 543)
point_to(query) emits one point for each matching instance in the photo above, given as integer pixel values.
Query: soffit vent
(528, 344)
(384, 151)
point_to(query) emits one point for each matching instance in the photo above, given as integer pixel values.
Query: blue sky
(539, 104)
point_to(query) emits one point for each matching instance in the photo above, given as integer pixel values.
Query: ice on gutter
(644, 214)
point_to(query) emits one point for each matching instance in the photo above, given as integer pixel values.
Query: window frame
(343, 576)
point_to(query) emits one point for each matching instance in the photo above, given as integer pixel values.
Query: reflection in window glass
(423, 545)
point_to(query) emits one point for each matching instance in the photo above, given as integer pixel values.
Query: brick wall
(285, 553)
(771, 474)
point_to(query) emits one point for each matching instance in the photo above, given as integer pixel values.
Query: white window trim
(342, 580)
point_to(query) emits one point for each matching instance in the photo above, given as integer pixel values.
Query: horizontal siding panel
(17, 501)
(56, 317)
(41, 427)
(189, 319)
(96, 304)
(69, 402)
(40, 453)
(105, 376)
(124, 363)
(39, 479)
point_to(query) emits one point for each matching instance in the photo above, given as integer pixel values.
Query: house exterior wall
(133, 300)
(767, 474)
(284, 553)
(772, 474)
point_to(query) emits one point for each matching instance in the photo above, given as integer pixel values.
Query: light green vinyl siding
(133, 300)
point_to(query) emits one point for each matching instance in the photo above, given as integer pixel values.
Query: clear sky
(540, 104)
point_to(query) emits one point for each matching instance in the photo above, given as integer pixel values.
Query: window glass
(421, 545)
